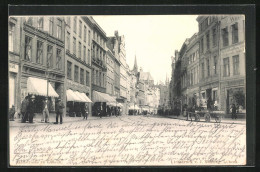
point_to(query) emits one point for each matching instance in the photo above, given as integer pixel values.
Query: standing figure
(11, 113)
(24, 108)
(59, 110)
(234, 111)
(85, 112)
(31, 109)
(45, 110)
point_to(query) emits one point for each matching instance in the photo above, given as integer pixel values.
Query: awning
(86, 97)
(38, 86)
(134, 107)
(80, 96)
(71, 96)
(102, 97)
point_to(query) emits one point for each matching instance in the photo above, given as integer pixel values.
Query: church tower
(135, 68)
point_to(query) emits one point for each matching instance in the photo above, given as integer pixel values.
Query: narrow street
(127, 140)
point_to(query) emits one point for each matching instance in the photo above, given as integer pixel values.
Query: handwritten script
(128, 141)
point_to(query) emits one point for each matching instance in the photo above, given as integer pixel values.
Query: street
(127, 140)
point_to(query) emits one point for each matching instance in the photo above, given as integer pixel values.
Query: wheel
(218, 118)
(197, 117)
(207, 117)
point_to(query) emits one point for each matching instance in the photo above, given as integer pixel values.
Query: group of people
(28, 109)
(101, 110)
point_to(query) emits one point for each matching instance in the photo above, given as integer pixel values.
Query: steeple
(135, 68)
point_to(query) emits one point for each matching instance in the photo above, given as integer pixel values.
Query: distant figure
(85, 112)
(45, 110)
(234, 111)
(31, 108)
(11, 113)
(59, 111)
(24, 108)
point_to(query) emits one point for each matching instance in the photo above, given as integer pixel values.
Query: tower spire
(135, 68)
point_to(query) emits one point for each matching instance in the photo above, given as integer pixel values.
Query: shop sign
(13, 67)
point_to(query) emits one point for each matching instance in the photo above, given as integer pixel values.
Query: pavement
(67, 119)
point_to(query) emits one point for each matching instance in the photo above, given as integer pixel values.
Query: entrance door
(11, 90)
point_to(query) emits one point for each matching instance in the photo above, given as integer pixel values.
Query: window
(69, 65)
(11, 37)
(226, 66)
(28, 48)
(87, 78)
(85, 54)
(214, 37)
(40, 23)
(49, 56)
(29, 21)
(59, 23)
(100, 79)
(208, 67)
(202, 70)
(75, 24)
(97, 81)
(225, 37)
(74, 45)
(80, 28)
(39, 52)
(85, 33)
(104, 80)
(81, 76)
(215, 64)
(88, 58)
(215, 95)
(201, 45)
(234, 33)
(76, 74)
(68, 41)
(58, 59)
(51, 25)
(207, 39)
(235, 65)
(68, 21)
(93, 76)
(79, 50)
(89, 37)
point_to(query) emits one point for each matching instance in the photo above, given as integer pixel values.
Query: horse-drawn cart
(207, 115)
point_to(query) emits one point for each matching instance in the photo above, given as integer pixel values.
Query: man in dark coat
(234, 111)
(24, 107)
(59, 110)
(45, 110)
(31, 109)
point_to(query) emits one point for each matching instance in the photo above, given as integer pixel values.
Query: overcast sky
(152, 38)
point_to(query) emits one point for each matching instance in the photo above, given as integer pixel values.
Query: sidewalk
(52, 118)
(202, 119)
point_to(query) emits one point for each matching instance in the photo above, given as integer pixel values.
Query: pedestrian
(234, 111)
(11, 113)
(45, 110)
(59, 110)
(85, 112)
(31, 109)
(24, 108)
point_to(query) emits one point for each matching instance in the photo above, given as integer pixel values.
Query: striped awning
(72, 96)
(39, 87)
(102, 97)
(86, 97)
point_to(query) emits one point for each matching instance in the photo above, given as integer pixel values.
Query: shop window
(69, 69)
(235, 65)
(76, 74)
(28, 48)
(225, 36)
(49, 56)
(40, 23)
(59, 23)
(234, 33)
(11, 37)
(226, 66)
(51, 25)
(87, 78)
(58, 60)
(39, 55)
(81, 76)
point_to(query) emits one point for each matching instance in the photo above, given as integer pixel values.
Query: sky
(153, 39)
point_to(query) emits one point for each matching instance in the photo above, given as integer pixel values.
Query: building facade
(42, 57)
(110, 73)
(78, 40)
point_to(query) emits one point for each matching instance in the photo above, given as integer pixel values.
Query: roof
(145, 76)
